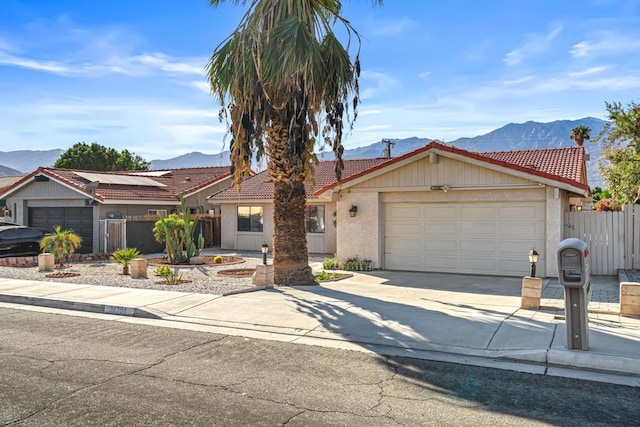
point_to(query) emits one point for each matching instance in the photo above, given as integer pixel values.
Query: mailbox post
(573, 271)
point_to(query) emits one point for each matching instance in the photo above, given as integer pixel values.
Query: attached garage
(480, 238)
(443, 209)
(78, 219)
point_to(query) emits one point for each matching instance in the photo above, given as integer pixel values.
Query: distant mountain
(531, 135)
(514, 136)
(26, 161)
(5, 171)
(192, 160)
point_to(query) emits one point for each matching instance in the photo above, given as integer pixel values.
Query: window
(250, 218)
(314, 219)
(158, 212)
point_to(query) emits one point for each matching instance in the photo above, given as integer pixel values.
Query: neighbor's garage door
(480, 238)
(80, 220)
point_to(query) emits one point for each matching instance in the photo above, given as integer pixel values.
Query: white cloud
(536, 44)
(606, 43)
(374, 83)
(391, 28)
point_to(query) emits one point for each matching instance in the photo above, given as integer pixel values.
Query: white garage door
(480, 238)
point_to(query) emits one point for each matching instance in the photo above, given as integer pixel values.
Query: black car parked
(19, 240)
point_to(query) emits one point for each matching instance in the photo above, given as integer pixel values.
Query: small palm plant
(124, 257)
(60, 242)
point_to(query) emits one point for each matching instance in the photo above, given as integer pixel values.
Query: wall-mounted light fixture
(6, 211)
(264, 249)
(533, 259)
(353, 211)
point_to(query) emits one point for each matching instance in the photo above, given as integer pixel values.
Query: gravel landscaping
(204, 279)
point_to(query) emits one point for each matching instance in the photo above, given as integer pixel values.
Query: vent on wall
(41, 178)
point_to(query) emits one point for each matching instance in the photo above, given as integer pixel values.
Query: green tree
(280, 72)
(620, 166)
(60, 242)
(97, 157)
(579, 134)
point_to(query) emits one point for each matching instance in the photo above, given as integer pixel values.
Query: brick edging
(32, 261)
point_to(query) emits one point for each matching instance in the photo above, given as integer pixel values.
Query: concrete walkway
(462, 319)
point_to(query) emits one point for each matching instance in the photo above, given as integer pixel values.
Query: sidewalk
(455, 318)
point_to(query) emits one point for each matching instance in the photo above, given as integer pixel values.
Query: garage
(78, 219)
(475, 238)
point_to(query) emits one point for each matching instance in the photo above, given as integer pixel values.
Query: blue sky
(129, 74)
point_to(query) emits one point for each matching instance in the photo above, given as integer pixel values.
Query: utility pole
(387, 151)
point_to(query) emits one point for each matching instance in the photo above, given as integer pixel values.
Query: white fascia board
(241, 202)
(141, 202)
(52, 178)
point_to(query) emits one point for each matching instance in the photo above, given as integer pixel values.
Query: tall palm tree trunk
(290, 257)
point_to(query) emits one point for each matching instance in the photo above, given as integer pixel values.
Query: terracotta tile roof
(564, 165)
(259, 187)
(564, 162)
(175, 181)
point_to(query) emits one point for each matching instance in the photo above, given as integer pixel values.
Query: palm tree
(124, 257)
(580, 133)
(280, 72)
(61, 242)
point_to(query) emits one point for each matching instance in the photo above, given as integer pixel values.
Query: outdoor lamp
(533, 258)
(353, 211)
(265, 249)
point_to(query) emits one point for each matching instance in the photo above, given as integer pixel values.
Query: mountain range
(514, 136)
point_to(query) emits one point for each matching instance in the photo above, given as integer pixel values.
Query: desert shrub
(218, 259)
(330, 263)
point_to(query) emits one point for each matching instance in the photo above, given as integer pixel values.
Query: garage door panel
(406, 262)
(405, 228)
(401, 245)
(484, 238)
(479, 228)
(511, 248)
(516, 267)
(439, 212)
(521, 230)
(405, 212)
(441, 229)
(529, 211)
(479, 213)
(439, 246)
(444, 262)
(78, 219)
(468, 246)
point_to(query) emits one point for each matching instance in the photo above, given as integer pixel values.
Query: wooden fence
(613, 238)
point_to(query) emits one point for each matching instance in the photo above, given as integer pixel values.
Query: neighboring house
(438, 208)
(77, 199)
(6, 182)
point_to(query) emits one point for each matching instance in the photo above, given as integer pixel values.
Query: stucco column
(555, 224)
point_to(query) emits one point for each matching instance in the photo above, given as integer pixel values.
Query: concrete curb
(90, 307)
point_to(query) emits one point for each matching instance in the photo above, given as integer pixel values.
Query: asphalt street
(57, 370)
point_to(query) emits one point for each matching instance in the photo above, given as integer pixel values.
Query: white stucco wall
(231, 238)
(359, 236)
